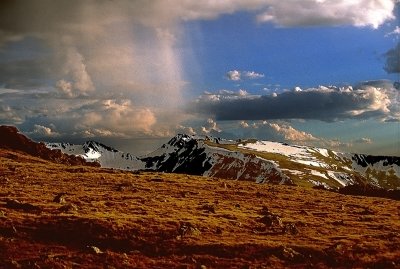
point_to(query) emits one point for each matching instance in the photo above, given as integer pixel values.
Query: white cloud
(244, 124)
(40, 130)
(225, 94)
(291, 134)
(284, 132)
(119, 116)
(234, 75)
(274, 131)
(363, 140)
(242, 93)
(74, 117)
(252, 74)
(65, 88)
(95, 132)
(379, 100)
(210, 127)
(395, 32)
(75, 69)
(335, 144)
(185, 130)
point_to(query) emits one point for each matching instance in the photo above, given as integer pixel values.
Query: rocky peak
(96, 146)
(180, 140)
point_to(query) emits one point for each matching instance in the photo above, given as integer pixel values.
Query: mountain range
(250, 160)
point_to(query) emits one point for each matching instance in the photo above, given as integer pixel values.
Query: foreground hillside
(62, 216)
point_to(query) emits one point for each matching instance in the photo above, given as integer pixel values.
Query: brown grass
(116, 219)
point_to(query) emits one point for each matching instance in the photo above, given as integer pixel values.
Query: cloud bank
(379, 99)
(361, 13)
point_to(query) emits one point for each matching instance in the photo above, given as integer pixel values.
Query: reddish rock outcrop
(12, 139)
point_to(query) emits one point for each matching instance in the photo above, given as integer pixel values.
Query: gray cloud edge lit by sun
(375, 99)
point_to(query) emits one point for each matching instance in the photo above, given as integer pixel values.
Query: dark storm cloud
(323, 103)
(24, 73)
(393, 60)
(18, 18)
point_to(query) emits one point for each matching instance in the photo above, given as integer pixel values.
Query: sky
(133, 74)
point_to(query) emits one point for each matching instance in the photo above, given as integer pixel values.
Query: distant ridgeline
(252, 160)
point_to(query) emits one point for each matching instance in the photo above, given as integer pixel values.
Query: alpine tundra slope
(252, 160)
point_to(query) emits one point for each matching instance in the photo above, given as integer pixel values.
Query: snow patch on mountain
(342, 178)
(318, 174)
(299, 154)
(312, 162)
(275, 147)
(323, 152)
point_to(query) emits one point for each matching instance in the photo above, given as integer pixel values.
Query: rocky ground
(63, 216)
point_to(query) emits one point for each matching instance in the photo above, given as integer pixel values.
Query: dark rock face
(188, 157)
(11, 139)
(96, 146)
(366, 160)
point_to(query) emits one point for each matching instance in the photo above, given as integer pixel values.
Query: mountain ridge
(244, 160)
(254, 160)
